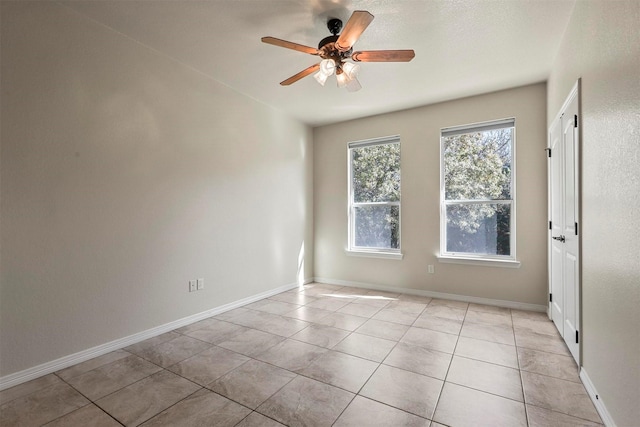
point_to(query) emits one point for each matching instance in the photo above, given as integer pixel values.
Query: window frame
(469, 257)
(366, 251)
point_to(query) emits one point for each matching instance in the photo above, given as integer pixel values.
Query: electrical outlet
(200, 284)
(192, 286)
(430, 269)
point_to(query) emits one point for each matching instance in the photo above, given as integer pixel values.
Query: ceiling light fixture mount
(336, 49)
(334, 25)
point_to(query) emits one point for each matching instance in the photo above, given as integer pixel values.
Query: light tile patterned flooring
(323, 356)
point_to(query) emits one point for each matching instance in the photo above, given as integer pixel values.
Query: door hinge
(575, 120)
(550, 297)
(549, 225)
(548, 150)
(576, 227)
(577, 337)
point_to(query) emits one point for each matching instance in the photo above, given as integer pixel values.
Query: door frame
(575, 92)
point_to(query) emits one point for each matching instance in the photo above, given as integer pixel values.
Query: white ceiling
(463, 47)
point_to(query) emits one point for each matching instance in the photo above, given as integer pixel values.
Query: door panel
(557, 290)
(564, 243)
(570, 309)
(571, 245)
(555, 246)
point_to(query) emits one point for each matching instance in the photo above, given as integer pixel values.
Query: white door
(564, 230)
(556, 285)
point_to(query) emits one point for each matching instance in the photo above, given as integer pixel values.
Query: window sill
(367, 254)
(486, 262)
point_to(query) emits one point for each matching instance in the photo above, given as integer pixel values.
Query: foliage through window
(477, 195)
(374, 195)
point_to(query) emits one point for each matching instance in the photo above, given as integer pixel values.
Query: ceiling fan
(336, 49)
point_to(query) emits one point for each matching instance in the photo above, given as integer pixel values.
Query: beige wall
(419, 131)
(602, 46)
(125, 174)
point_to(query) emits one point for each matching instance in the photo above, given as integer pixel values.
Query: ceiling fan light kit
(336, 49)
(327, 68)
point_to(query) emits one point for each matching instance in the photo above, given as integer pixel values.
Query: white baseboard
(595, 398)
(431, 294)
(81, 356)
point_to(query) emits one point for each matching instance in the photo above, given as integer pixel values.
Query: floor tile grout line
(292, 379)
(552, 377)
(385, 404)
(301, 374)
(193, 381)
(488, 392)
(435, 407)
(182, 360)
(486, 340)
(564, 413)
(413, 372)
(90, 403)
(247, 416)
(140, 354)
(110, 416)
(115, 391)
(56, 373)
(543, 351)
(361, 357)
(208, 387)
(484, 361)
(94, 402)
(345, 408)
(170, 406)
(524, 396)
(128, 385)
(543, 334)
(28, 394)
(275, 366)
(259, 413)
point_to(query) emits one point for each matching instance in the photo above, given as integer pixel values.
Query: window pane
(376, 173)
(477, 165)
(481, 228)
(377, 227)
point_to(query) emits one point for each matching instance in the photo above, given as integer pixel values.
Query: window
(477, 191)
(374, 197)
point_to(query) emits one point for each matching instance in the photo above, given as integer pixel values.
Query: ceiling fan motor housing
(327, 46)
(326, 41)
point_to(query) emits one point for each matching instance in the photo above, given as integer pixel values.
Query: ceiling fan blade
(290, 45)
(301, 74)
(383, 55)
(359, 21)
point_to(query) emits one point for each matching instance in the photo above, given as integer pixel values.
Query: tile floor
(323, 356)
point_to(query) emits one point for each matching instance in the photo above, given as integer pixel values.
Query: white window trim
(374, 254)
(483, 261)
(363, 251)
(444, 256)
